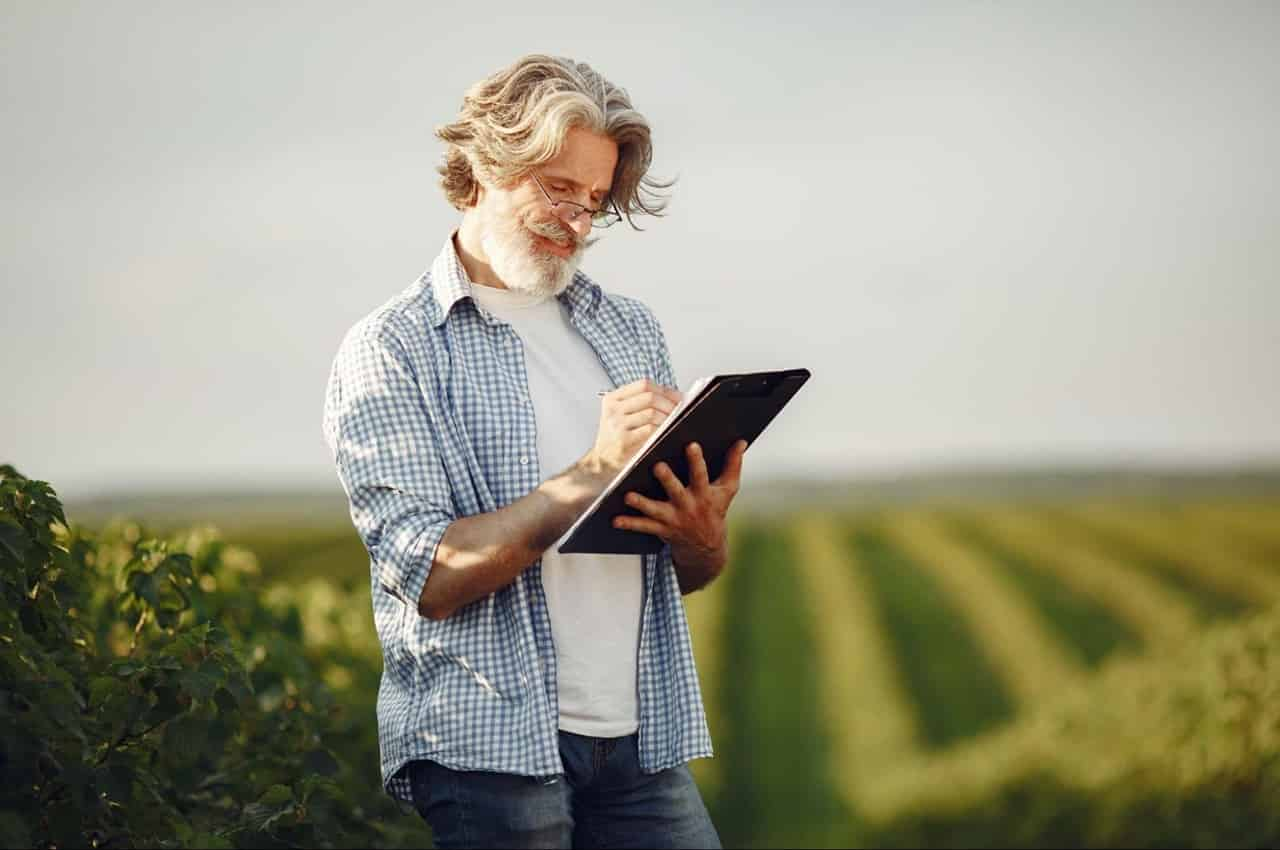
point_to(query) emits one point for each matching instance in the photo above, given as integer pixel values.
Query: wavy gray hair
(517, 119)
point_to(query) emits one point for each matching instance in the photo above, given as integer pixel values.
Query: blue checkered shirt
(428, 416)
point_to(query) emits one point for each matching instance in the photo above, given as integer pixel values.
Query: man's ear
(484, 181)
(486, 185)
(484, 188)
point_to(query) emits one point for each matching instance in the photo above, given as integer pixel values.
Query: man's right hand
(482, 553)
(628, 415)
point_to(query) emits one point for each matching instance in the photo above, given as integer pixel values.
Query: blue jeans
(601, 800)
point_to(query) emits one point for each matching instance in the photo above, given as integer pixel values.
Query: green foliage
(152, 697)
(1121, 763)
(1081, 622)
(297, 554)
(1177, 750)
(1210, 603)
(773, 743)
(176, 690)
(956, 688)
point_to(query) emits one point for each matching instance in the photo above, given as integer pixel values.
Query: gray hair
(517, 119)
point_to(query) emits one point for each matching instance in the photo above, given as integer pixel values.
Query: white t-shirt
(594, 600)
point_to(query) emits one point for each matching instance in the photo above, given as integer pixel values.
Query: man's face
(528, 246)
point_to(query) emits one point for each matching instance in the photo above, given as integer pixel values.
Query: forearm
(695, 569)
(481, 554)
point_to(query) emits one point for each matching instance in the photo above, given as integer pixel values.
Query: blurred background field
(965, 660)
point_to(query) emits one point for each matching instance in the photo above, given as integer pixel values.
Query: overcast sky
(995, 232)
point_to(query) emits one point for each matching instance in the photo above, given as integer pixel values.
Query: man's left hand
(693, 518)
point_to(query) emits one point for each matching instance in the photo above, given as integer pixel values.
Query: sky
(996, 233)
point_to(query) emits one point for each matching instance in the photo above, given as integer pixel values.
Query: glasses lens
(568, 211)
(605, 218)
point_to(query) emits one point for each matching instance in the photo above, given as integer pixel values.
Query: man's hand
(628, 415)
(693, 520)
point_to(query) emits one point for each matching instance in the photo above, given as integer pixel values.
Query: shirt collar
(450, 284)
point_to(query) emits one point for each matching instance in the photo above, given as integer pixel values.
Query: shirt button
(524, 460)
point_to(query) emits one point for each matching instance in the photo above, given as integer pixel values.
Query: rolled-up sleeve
(377, 423)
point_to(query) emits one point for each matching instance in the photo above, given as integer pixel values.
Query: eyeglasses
(568, 211)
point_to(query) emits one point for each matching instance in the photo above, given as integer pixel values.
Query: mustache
(560, 234)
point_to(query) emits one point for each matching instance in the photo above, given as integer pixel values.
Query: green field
(984, 615)
(1098, 669)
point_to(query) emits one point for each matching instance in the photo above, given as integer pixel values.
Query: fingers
(629, 415)
(649, 393)
(648, 416)
(641, 524)
(675, 488)
(732, 475)
(652, 508)
(698, 479)
(649, 400)
(636, 437)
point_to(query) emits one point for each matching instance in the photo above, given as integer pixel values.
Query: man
(529, 698)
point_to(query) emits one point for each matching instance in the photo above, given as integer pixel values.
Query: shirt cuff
(405, 572)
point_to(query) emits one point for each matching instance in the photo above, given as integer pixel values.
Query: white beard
(520, 264)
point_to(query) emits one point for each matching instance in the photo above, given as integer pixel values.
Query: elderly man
(529, 698)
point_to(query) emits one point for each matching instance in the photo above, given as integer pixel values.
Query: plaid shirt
(429, 419)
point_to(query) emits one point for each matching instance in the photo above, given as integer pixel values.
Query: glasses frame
(568, 211)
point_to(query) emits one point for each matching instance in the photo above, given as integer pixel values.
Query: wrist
(692, 573)
(593, 471)
(707, 561)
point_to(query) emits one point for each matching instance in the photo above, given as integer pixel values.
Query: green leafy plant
(152, 696)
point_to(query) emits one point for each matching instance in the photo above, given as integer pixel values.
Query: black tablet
(726, 409)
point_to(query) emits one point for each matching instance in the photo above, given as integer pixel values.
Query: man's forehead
(586, 159)
(561, 175)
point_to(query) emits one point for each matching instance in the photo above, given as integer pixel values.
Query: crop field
(852, 661)
(949, 672)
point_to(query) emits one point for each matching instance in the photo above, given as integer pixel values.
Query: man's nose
(581, 224)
